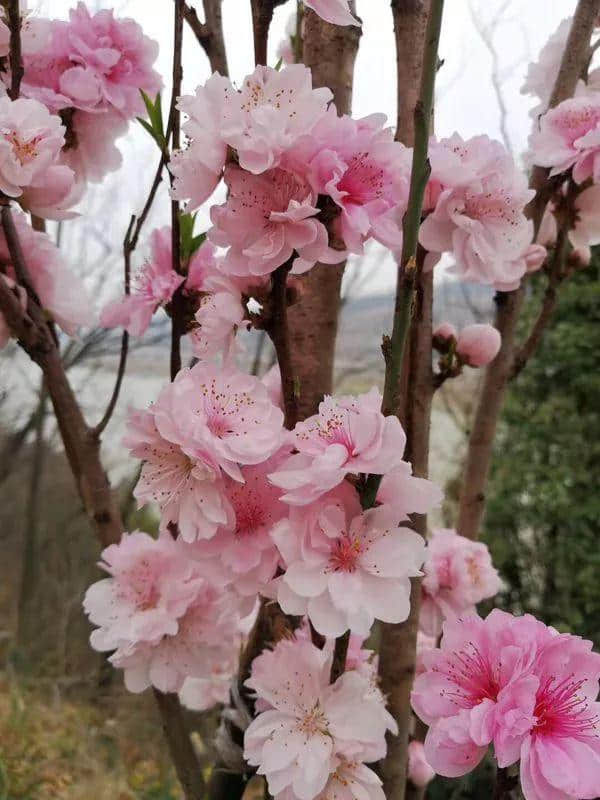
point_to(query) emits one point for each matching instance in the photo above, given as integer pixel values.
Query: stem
(177, 329)
(209, 34)
(262, 15)
(16, 61)
(504, 785)
(180, 745)
(279, 333)
(338, 664)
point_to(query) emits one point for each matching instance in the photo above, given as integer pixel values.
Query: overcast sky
(465, 98)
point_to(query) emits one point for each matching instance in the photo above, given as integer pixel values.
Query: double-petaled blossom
(61, 292)
(310, 726)
(568, 138)
(345, 572)
(549, 719)
(478, 345)
(266, 220)
(586, 230)
(541, 73)
(364, 171)
(260, 122)
(31, 139)
(350, 780)
(348, 435)
(478, 216)
(205, 424)
(458, 575)
(153, 287)
(244, 548)
(463, 681)
(335, 11)
(93, 62)
(163, 620)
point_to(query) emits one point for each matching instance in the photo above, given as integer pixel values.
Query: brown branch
(262, 16)
(277, 328)
(177, 303)
(183, 755)
(15, 58)
(548, 305)
(338, 663)
(209, 34)
(509, 305)
(504, 785)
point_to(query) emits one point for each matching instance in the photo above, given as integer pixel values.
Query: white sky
(465, 98)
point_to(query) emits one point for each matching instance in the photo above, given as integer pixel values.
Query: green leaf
(155, 128)
(278, 65)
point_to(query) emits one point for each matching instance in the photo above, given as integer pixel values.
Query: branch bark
(409, 379)
(209, 33)
(509, 305)
(15, 58)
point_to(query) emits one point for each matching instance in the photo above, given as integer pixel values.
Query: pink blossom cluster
(215, 299)
(90, 69)
(294, 160)
(164, 620)
(458, 574)
(60, 291)
(517, 684)
(312, 738)
(476, 200)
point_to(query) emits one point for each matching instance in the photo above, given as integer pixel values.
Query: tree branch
(15, 59)
(209, 34)
(183, 755)
(277, 328)
(262, 16)
(509, 305)
(177, 324)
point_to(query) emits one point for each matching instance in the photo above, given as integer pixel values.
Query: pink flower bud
(445, 331)
(477, 345)
(419, 769)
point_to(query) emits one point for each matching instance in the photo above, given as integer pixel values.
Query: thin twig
(177, 329)
(209, 34)
(16, 61)
(395, 347)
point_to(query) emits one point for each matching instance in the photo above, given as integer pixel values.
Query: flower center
(472, 675)
(24, 151)
(313, 722)
(561, 711)
(250, 513)
(344, 554)
(364, 180)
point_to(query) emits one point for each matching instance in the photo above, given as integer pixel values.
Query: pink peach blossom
(420, 772)
(445, 331)
(218, 317)
(349, 434)
(550, 720)
(479, 211)
(245, 549)
(178, 474)
(266, 220)
(93, 153)
(297, 742)
(30, 144)
(541, 73)
(406, 494)
(351, 780)
(153, 286)
(458, 693)
(458, 575)
(151, 586)
(569, 138)
(261, 121)
(478, 345)
(363, 170)
(335, 11)
(202, 694)
(204, 425)
(349, 572)
(61, 292)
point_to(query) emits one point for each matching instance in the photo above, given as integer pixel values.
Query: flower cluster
(295, 160)
(522, 686)
(89, 70)
(160, 615)
(477, 199)
(304, 740)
